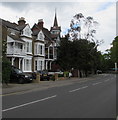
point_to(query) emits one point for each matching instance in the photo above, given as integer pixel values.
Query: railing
(15, 51)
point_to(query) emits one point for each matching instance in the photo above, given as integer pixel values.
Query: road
(94, 98)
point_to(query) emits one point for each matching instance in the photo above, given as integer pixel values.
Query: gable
(9, 39)
(27, 31)
(40, 36)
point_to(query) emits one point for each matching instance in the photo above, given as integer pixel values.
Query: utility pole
(115, 67)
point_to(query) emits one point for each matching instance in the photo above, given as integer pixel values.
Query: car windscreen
(18, 71)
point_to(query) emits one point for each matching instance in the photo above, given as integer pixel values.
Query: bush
(52, 77)
(60, 75)
(66, 74)
(6, 70)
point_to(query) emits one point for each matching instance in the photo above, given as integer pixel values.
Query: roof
(46, 32)
(12, 25)
(21, 27)
(55, 21)
(55, 28)
(14, 37)
(35, 32)
(9, 24)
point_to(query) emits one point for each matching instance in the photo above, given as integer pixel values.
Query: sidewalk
(15, 88)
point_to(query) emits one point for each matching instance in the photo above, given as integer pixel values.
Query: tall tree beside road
(83, 28)
(80, 54)
(79, 48)
(64, 54)
(114, 50)
(109, 58)
(6, 65)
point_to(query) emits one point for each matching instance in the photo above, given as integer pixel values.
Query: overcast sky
(103, 12)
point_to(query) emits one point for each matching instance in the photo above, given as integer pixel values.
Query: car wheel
(21, 81)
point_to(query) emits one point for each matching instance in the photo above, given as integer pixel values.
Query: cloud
(107, 28)
(102, 12)
(18, 6)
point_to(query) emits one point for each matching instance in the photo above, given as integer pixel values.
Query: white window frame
(39, 49)
(28, 47)
(27, 67)
(40, 64)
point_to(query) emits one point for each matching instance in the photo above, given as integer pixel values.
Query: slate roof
(12, 25)
(46, 32)
(21, 27)
(9, 24)
(14, 37)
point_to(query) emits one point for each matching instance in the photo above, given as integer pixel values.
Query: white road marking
(75, 90)
(84, 87)
(78, 89)
(96, 83)
(29, 103)
(106, 80)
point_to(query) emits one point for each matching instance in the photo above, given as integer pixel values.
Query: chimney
(40, 23)
(21, 21)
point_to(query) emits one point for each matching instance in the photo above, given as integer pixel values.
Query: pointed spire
(55, 20)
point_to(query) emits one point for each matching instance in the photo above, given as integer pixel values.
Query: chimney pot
(21, 21)
(40, 23)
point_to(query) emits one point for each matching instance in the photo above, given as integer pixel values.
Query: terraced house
(31, 49)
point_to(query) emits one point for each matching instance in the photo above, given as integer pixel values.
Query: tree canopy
(82, 27)
(81, 54)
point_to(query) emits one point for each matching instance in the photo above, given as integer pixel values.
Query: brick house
(31, 49)
(19, 44)
(51, 39)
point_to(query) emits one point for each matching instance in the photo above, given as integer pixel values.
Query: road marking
(106, 80)
(84, 87)
(96, 83)
(78, 89)
(75, 90)
(29, 103)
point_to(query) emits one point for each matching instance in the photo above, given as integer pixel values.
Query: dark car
(44, 75)
(99, 72)
(18, 76)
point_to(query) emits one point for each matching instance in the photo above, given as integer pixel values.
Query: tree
(64, 56)
(109, 58)
(6, 65)
(80, 54)
(114, 50)
(83, 28)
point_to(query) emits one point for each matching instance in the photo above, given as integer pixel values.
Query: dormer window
(40, 36)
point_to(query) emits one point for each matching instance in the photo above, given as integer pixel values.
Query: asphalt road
(90, 99)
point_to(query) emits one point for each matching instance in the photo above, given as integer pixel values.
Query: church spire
(55, 20)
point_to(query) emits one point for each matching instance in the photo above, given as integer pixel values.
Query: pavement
(13, 88)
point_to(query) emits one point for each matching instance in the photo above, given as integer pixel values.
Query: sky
(103, 11)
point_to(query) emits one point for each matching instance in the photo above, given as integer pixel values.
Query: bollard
(56, 76)
(37, 77)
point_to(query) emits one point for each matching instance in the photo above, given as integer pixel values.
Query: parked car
(18, 76)
(99, 72)
(44, 76)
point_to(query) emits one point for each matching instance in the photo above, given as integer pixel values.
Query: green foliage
(66, 74)
(6, 70)
(52, 77)
(110, 57)
(114, 50)
(79, 54)
(60, 75)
